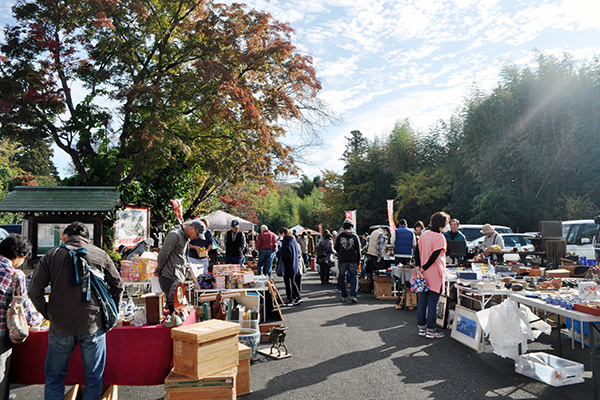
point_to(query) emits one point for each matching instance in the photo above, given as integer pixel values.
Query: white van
(579, 235)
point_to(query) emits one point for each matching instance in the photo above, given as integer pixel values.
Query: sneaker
(422, 332)
(434, 335)
(296, 302)
(289, 305)
(344, 299)
(354, 299)
(299, 300)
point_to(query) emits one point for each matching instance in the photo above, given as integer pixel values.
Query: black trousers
(165, 285)
(291, 290)
(324, 266)
(298, 280)
(5, 356)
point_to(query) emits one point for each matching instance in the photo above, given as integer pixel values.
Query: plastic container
(550, 369)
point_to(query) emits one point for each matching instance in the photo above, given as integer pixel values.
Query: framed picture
(442, 312)
(466, 328)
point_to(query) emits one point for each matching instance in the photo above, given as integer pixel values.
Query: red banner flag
(351, 215)
(178, 207)
(390, 207)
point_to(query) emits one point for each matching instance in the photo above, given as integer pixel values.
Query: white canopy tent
(220, 221)
(296, 228)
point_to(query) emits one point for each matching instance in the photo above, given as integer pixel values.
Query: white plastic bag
(155, 284)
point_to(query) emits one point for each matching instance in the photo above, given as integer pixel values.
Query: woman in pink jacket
(431, 257)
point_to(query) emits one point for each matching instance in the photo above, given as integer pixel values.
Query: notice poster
(132, 226)
(48, 236)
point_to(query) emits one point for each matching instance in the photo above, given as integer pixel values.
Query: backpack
(321, 250)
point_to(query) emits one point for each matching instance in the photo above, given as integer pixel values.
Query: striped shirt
(6, 276)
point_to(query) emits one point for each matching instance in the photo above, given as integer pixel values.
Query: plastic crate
(550, 369)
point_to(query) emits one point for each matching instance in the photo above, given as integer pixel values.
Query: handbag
(16, 318)
(418, 284)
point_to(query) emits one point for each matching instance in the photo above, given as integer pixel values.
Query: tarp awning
(220, 221)
(309, 231)
(61, 199)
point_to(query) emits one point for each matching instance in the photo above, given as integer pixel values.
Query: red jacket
(267, 240)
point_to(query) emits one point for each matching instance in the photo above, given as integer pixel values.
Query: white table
(575, 315)
(481, 296)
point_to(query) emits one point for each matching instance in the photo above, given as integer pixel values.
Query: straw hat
(487, 228)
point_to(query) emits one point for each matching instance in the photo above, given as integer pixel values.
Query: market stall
(135, 356)
(220, 221)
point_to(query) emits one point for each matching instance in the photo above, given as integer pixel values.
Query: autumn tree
(142, 93)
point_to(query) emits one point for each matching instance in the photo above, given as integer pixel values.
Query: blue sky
(385, 60)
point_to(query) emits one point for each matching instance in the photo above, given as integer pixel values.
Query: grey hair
(263, 228)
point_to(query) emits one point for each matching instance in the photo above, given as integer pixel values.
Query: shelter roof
(61, 199)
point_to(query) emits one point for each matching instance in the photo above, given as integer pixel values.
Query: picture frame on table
(442, 312)
(466, 328)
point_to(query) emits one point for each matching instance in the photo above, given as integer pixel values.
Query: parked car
(13, 228)
(580, 235)
(473, 231)
(3, 233)
(520, 241)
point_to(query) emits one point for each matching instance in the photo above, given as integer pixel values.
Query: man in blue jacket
(404, 242)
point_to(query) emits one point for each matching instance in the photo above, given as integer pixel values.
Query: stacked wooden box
(242, 382)
(205, 361)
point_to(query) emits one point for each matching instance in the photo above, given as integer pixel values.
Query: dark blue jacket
(404, 241)
(288, 255)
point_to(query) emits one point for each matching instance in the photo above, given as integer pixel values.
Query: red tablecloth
(135, 356)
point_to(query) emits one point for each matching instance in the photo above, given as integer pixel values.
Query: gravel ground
(370, 350)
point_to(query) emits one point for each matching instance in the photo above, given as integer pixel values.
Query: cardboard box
(219, 386)
(411, 299)
(382, 278)
(205, 348)
(383, 289)
(242, 382)
(558, 273)
(146, 268)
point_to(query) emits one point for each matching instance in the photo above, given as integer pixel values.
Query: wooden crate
(205, 348)
(220, 386)
(108, 392)
(242, 382)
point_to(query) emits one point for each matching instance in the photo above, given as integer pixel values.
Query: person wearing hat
(492, 238)
(173, 255)
(235, 243)
(140, 248)
(347, 246)
(194, 254)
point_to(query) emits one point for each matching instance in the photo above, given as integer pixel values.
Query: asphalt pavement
(370, 350)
